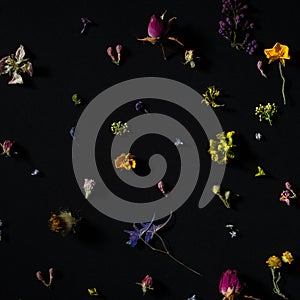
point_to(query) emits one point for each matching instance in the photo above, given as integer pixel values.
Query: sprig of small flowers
(266, 112)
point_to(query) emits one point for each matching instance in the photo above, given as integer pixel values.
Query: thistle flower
(236, 27)
(158, 30)
(146, 284)
(88, 186)
(266, 112)
(230, 285)
(15, 64)
(63, 222)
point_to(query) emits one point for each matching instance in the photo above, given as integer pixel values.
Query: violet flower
(230, 286)
(158, 30)
(259, 67)
(236, 27)
(85, 22)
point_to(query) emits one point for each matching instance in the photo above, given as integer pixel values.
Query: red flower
(146, 284)
(6, 147)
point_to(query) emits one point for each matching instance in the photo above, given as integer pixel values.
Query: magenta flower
(230, 286)
(158, 29)
(146, 284)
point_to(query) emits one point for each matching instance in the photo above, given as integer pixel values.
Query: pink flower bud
(39, 276)
(288, 185)
(118, 49)
(110, 53)
(161, 186)
(156, 27)
(230, 284)
(259, 67)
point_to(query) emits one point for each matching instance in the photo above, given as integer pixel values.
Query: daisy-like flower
(287, 257)
(274, 262)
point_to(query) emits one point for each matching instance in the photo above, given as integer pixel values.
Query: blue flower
(136, 234)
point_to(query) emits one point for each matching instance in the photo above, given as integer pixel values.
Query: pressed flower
(210, 95)
(76, 99)
(16, 64)
(161, 187)
(258, 136)
(146, 284)
(158, 30)
(88, 186)
(149, 230)
(125, 161)
(224, 198)
(40, 277)
(139, 106)
(288, 194)
(178, 142)
(111, 54)
(63, 222)
(35, 172)
(85, 22)
(230, 285)
(274, 262)
(189, 56)
(93, 292)
(118, 50)
(119, 128)
(279, 52)
(7, 147)
(266, 112)
(287, 257)
(260, 172)
(259, 67)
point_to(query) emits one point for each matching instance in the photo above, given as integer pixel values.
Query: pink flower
(118, 49)
(88, 186)
(259, 67)
(50, 276)
(288, 194)
(161, 186)
(6, 147)
(146, 284)
(156, 27)
(230, 286)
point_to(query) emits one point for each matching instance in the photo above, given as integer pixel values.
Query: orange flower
(125, 161)
(279, 51)
(56, 223)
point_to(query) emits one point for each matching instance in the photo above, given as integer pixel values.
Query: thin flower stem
(283, 83)
(162, 241)
(275, 280)
(163, 51)
(170, 255)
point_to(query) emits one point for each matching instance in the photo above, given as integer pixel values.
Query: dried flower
(279, 52)
(189, 56)
(288, 194)
(139, 106)
(118, 50)
(259, 67)
(40, 277)
(258, 136)
(266, 112)
(158, 30)
(7, 147)
(161, 187)
(260, 172)
(15, 64)
(178, 142)
(85, 22)
(35, 172)
(110, 53)
(274, 263)
(210, 95)
(146, 284)
(192, 298)
(119, 128)
(146, 233)
(224, 198)
(63, 222)
(230, 286)
(72, 132)
(125, 161)
(221, 150)
(93, 292)
(233, 230)
(76, 99)
(88, 186)
(236, 27)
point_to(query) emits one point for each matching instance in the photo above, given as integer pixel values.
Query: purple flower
(230, 285)
(156, 27)
(139, 106)
(136, 234)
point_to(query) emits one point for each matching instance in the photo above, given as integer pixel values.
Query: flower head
(266, 112)
(287, 257)
(125, 161)
(288, 194)
(146, 284)
(6, 147)
(189, 56)
(230, 285)
(278, 51)
(88, 186)
(63, 222)
(274, 262)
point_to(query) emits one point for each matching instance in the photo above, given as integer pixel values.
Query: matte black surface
(39, 115)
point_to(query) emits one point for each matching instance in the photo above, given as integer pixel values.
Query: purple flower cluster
(236, 28)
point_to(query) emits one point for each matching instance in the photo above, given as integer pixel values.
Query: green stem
(283, 83)
(170, 255)
(276, 288)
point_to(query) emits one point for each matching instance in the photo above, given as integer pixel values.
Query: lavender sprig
(236, 28)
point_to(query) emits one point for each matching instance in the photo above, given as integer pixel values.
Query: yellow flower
(125, 161)
(274, 262)
(287, 257)
(279, 51)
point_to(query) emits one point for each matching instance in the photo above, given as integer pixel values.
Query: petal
(17, 79)
(20, 53)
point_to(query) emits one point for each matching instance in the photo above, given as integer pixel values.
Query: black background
(39, 114)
